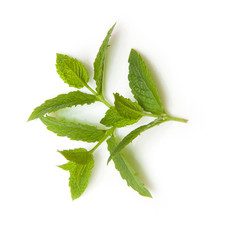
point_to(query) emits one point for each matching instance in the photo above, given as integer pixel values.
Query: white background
(192, 49)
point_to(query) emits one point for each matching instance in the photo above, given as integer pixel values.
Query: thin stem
(107, 134)
(90, 89)
(170, 118)
(99, 97)
(103, 100)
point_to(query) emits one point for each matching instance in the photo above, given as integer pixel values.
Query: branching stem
(108, 133)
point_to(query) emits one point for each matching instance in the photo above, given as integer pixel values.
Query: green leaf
(99, 61)
(132, 135)
(126, 171)
(77, 188)
(113, 118)
(71, 71)
(74, 131)
(60, 59)
(78, 156)
(127, 108)
(80, 166)
(68, 166)
(62, 101)
(142, 85)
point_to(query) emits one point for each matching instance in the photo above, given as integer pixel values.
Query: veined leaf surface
(78, 155)
(62, 101)
(80, 166)
(113, 119)
(74, 131)
(126, 171)
(71, 71)
(127, 108)
(132, 135)
(142, 85)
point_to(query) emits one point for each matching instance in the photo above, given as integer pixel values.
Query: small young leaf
(142, 85)
(126, 171)
(99, 61)
(132, 135)
(78, 156)
(74, 131)
(62, 101)
(68, 166)
(127, 108)
(113, 119)
(71, 71)
(80, 166)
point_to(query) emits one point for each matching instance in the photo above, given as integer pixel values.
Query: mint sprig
(122, 113)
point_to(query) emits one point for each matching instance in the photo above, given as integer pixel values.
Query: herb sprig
(124, 112)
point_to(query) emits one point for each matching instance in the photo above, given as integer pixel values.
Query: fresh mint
(120, 114)
(72, 71)
(62, 101)
(74, 131)
(113, 119)
(125, 169)
(79, 166)
(141, 83)
(126, 108)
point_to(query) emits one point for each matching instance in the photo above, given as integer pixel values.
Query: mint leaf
(80, 166)
(78, 155)
(78, 183)
(113, 118)
(126, 171)
(74, 131)
(62, 101)
(68, 166)
(71, 71)
(60, 59)
(127, 108)
(142, 85)
(99, 61)
(132, 135)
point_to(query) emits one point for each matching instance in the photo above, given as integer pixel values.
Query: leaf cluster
(122, 113)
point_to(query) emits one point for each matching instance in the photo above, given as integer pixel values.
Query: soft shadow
(131, 158)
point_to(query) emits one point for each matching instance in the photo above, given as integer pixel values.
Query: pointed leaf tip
(126, 171)
(100, 61)
(142, 85)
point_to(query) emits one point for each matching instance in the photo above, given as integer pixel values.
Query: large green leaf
(132, 135)
(127, 108)
(113, 119)
(80, 166)
(71, 71)
(74, 131)
(126, 171)
(142, 85)
(62, 101)
(99, 61)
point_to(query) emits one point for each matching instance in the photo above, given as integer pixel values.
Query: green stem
(103, 100)
(170, 118)
(90, 89)
(108, 133)
(99, 97)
